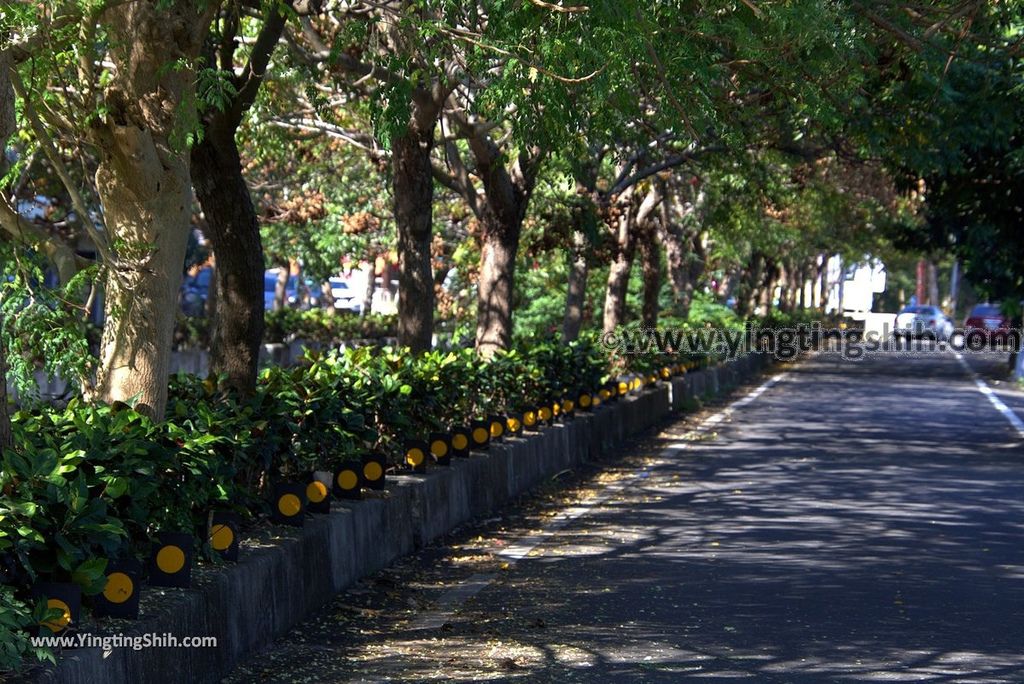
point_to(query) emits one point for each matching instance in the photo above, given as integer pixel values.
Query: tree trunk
(281, 286)
(142, 293)
(683, 249)
(823, 287)
(650, 261)
(954, 288)
(495, 286)
(933, 284)
(584, 216)
(144, 186)
(327, 298)
(577, 287)
(675, 258)
(8, 125)
(695, 263)
(507, 193)
(618, 272)
(615, 292)
(234, 231)
(210, 307)
(748, 288)
(785, 291)
(772, 274)
(413, 187)
(371, 286)
(842, 288)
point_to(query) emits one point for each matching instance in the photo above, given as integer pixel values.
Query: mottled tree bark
(144, 185)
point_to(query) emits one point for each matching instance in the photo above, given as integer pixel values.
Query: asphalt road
(858, 521)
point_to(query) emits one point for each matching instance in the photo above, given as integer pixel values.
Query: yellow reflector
(372, 471)
(171, 559)
(414, 456)
(119, 587)
(349, 480)
(221, 538)
(316, 491)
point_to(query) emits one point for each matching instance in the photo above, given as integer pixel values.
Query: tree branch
(255, 71)
(50, 150)
(56, 250)
(670, 162)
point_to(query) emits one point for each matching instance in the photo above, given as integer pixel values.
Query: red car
(989, 322)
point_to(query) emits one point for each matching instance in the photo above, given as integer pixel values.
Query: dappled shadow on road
(840, 529)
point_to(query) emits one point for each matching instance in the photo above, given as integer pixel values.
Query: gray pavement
(858, 521)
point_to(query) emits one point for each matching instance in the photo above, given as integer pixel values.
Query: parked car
(291, 289)
(988, 321)
(345, 298)
(922, 321)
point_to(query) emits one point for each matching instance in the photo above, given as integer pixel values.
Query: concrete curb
(286, 574)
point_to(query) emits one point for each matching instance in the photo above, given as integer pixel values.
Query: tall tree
(500, 207)
(232, 223)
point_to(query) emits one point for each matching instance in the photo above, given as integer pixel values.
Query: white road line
(453, 599)
(983, 387)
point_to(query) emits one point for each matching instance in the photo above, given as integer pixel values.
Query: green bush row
(329, 328)
(90, 482)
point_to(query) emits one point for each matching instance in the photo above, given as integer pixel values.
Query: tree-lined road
(858, 521)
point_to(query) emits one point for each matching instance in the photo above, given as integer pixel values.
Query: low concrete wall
(284, 575)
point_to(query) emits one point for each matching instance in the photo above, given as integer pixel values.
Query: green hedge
(92, 482)
(329, 328)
